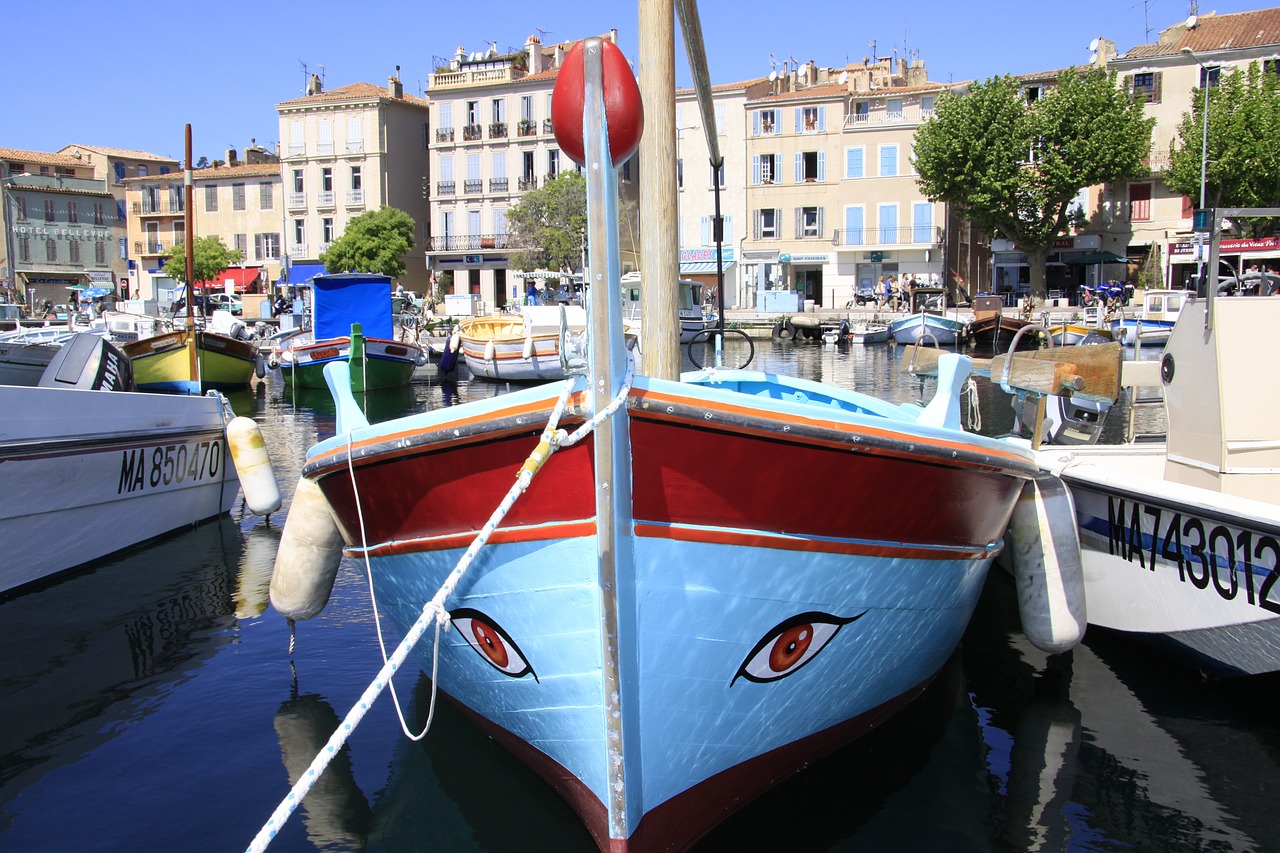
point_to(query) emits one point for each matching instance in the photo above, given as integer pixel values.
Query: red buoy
(622, 106)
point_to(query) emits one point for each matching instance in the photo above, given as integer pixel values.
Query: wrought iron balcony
(469, 243)
(297, 200)
(526, 184)
(355, 146)
(470, 132)
(446, 187)
(498, 130)
(472, 186)
(546, 125)
(444, 134)
(497, 185)
(324, 198)
(527, 127)
(355, 198)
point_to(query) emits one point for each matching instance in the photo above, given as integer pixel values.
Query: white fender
(490, 351)
(527, 353)
(1046, 565)
(310, 550)
(253, 466)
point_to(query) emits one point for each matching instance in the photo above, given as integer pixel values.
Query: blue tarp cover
(301, 273)
(340, 300)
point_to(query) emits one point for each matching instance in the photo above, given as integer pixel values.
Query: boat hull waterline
(726, 604)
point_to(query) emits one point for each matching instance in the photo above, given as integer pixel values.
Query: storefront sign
(1231, 247)
(705, 255)
(805, 259)
(1083, 242)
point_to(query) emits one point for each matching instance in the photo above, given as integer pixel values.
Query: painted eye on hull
(790, 645)
(491, 642)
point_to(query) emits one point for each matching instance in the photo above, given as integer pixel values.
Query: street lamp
(1204, 158)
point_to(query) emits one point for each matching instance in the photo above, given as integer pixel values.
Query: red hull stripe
(817, 546)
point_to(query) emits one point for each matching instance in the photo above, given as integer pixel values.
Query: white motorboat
(86, 473)
(1154, 320)
(1180, 540)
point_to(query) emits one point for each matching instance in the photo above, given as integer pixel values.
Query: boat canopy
(340, 300)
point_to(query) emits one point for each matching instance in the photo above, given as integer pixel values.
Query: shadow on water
(96, 645)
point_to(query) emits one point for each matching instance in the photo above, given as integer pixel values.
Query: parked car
(224, 302)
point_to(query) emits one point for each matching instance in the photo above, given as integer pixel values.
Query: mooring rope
(433, 612)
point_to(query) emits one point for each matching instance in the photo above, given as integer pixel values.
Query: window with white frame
(765, 169)
(499, 110)
(888, 215)
(765, 123)
(357, 178)
(473, 112)
(854, 165)
(553, 163)
(811, 119)
(326, 179)
(766, 224)
(526, 108)
(297, 181)
(854, 226)
(326, 230)
(299, 232)
(811, 166)
(888, 161)
(893, 109)
(808, 222)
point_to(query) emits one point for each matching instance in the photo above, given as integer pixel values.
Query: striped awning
(703, 267)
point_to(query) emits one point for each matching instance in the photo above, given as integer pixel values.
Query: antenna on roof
(541, 31)
(872, 44)
(306, 78)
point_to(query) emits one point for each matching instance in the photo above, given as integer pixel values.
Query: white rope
(433, 611)
(970, 394)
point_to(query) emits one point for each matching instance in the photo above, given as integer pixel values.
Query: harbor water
(151, 703)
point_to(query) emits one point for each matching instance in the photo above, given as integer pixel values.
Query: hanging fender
(253, 466)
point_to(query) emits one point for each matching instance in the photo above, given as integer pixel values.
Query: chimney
(395, 89)
(458, 56)
(232, 160)
(314, 86)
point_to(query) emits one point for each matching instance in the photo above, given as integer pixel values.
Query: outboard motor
(89, 362)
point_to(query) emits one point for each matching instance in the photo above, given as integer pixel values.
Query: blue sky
(77, 76)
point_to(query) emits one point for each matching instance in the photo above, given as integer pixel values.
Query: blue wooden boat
(647, 626)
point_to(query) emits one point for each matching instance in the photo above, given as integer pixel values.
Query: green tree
(548, 228)
(1243, 167)
(374, 242)
(1013, 167)
(209, 258)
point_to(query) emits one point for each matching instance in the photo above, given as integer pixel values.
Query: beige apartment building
(695, 182)
(831, 192)
(1145, 217)
(344, 152)
(492, 142)
(240, 204)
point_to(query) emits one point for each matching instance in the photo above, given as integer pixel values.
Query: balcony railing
(296, 150)
(497, 185)
(526, 184)
(324, 198)
(324, 148)
(355, 198)
(549, 177)
(141, 248)
(446, 187)
(498, 130)
(298, 250)
(143, 208)
(444, 134)
(915, 235)
(472, 186)
(470, 132)
(297, 200)
(546, 125)
(455, 243)
(527, 127)
(355, 146)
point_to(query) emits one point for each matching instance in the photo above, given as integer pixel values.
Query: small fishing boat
(87, 470)
(351, 322)
(1181, 539)
(519, 348)
(869, 332)
(694, 318)
(927, 322)
(191, 359)
(1155, 319)
(636, 621)
(993, 328)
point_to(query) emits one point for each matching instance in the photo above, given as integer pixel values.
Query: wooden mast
(188, 195)
(659, 240)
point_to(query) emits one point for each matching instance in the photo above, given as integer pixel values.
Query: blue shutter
(853, 167)
(888, 223)
(822, 166)
(822, 120)
(799, 119)
(888, 160)
(799, 168)
(853, 226)
(922, 222)
(706, 231)
(755, 123)
(755, 170)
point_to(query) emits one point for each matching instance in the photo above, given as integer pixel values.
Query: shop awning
(703, 267)
(1096, 258)
(241, 277)
(303, 273)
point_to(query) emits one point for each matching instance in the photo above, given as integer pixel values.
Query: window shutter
(799, 222)
(706, 231)
(728, 230)
(755, 169)
(755, 224)
(799, 168)
(822, 166)
(755, 123)
(1155, 89)
(821, 228)
(822, 120)
(799, 119)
